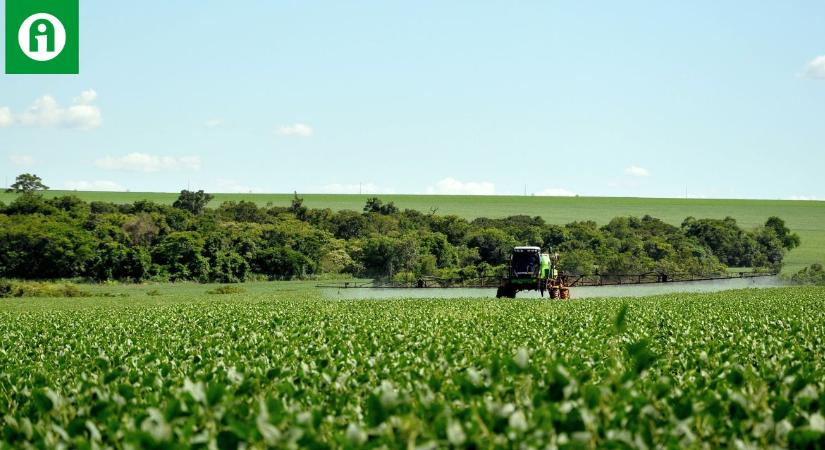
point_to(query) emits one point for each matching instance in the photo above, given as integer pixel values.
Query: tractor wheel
(506, 290)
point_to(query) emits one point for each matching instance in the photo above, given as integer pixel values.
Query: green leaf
(620, 323)
(214, 393)
(42, 401)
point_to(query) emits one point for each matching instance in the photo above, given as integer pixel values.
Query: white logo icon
(42, 37)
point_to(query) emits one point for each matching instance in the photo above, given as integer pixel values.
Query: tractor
(532, 270)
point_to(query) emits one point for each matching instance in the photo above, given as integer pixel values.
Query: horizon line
(578, 196)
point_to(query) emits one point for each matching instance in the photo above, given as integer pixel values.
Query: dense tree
(180, 254)
(494, 245)
(375, 205)
(771, 250)
(437, 245)
(141, 229)
(221, 248)
(98, 207)
(282, 263)
(30, 204)
(454, 227)
(384, 255)
(349, 225)
(583, 235)
(71, 204)
(66, 237)
(35, 246)
(732, 245)
(115, 261)
(27, 183)
(227, 266)
(578, 262)
(337, 260)
(242, 211)
(789, 240)
(552, 236)
(389, 208)
(194, 202)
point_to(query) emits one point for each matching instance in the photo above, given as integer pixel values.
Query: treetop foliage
(194, 202)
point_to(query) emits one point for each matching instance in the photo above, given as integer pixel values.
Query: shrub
(10, 289)
(813, 274)
(226, 289)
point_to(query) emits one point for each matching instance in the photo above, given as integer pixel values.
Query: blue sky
(724, 99)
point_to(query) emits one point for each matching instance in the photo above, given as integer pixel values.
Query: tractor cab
(531, 263)
(530, 270)
(526, 262)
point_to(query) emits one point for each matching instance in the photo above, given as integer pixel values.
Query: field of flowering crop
(291, 369)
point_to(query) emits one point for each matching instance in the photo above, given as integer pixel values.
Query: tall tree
(297, 207)
(27, 183)
(193, 202)
(789, 240)
(375, 205)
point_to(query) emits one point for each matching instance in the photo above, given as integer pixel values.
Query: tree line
(66, 237)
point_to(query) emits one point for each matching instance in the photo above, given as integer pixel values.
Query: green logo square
(42, 36)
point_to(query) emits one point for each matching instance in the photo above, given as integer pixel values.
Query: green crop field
(804, 217)
(279, 366)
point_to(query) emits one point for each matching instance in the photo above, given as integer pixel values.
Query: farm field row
(804, 217)
(281, 366)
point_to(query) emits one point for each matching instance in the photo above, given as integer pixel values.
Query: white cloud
(144, 162)
(99, 185)
(86, 97)
(636, 171)
(213, 123)
(362, 188)
(47, 112)
(231, 186)
(556, 192)
(803, 197)
(816, 68)
(21, 160)
(451, 186)
(296, 129)
(6, 118)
